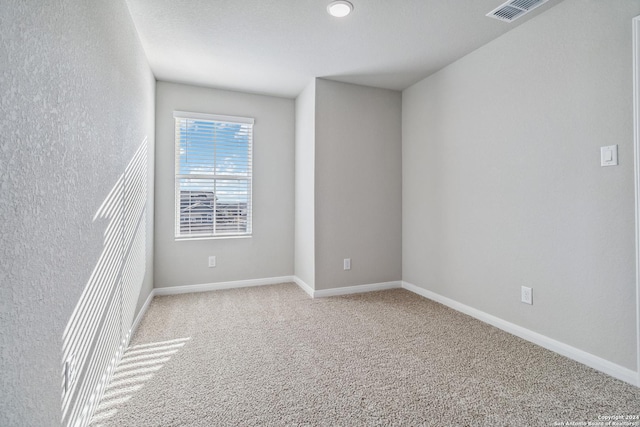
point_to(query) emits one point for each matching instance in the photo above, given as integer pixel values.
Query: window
(213, 175)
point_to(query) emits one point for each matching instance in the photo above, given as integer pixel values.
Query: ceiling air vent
(514, 9)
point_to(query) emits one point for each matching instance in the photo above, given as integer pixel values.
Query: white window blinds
(213, 175)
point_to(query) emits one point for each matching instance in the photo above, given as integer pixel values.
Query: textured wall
(304, 250)
(502, 184)
(77, 101)
(269, 252)
(358, 184)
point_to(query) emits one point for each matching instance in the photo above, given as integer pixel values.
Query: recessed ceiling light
(339, 9)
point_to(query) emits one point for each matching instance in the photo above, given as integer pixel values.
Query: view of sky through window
(228, 158)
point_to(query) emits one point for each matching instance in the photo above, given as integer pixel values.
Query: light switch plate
(609, 155)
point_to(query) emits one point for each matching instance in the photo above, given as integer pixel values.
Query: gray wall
(269, 253)
(77, 100)
(304, 248)
(358, 182)
(502, 184)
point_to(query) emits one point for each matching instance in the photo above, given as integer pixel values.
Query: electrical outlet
(212, 261)
(347, 263)
(526, 295)
(69, 372)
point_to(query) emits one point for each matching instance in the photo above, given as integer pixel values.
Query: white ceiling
(277, 46)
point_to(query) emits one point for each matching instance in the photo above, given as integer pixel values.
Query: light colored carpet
(272, 356)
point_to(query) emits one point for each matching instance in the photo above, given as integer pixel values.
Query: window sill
(184, 239)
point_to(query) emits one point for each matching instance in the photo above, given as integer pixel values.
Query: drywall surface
(358, 184)
(304, 247)
(502, 183)
(269, 252)
(76, 105)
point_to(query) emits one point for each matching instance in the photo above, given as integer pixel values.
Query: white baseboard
(595, 362)
(322, 293)
(174, 290)
(308, 289)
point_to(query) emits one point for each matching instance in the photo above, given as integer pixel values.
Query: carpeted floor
(272, 356)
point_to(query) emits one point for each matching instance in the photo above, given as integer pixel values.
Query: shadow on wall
(99, 328)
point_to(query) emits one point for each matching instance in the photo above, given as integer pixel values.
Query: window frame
(180, 117)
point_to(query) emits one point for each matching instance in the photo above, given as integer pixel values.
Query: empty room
(319, 213)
